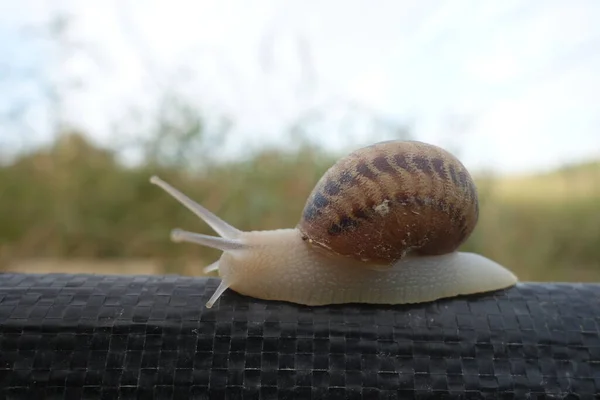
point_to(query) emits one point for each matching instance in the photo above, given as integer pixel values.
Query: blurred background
(243, 105)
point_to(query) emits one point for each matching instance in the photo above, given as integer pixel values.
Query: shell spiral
(389, 199)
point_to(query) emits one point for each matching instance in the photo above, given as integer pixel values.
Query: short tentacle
(211, 268)
(223, 286)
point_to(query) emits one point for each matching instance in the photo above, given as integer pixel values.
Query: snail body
(382, 226)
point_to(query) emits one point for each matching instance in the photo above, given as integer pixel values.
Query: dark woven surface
(79, 336)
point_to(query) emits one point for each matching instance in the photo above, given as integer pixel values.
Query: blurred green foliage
(74, 200)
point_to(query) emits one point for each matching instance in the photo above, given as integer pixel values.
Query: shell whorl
(383, 201)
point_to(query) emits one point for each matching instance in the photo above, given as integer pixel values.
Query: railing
(86, 337)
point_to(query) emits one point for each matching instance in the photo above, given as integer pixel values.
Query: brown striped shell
(391, 198)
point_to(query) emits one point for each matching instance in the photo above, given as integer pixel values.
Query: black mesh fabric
(88, 337)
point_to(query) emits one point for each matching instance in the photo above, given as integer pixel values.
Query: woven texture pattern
(82, 336)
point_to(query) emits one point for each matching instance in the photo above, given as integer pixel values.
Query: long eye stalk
(224, 244)
(221, 227)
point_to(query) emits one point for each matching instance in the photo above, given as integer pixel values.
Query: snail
(383, 225)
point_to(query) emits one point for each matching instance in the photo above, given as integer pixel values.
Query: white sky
(527, 73)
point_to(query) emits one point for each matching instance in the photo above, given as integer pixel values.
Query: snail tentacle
(211, 268)
(220, 226)
(229, 240)
(224, 244)
(223, 286)
(214, 242)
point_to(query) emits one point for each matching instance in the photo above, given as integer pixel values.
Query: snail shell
(390, 199)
